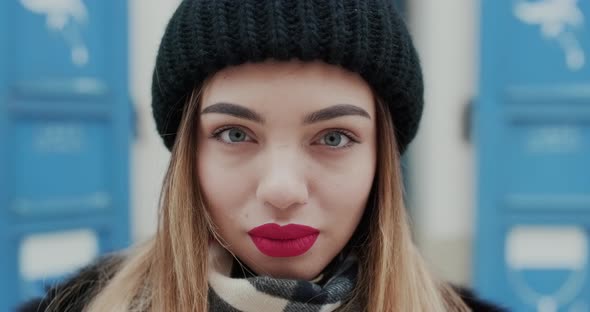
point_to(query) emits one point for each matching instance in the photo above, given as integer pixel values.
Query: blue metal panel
(532, 131)
(7, 264)
(65, 130)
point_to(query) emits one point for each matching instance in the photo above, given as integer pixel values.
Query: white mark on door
(558, 20)
(65, 17)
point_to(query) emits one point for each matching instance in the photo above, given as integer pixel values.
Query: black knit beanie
(364, 36)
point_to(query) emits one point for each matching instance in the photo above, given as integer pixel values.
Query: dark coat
(89, 280)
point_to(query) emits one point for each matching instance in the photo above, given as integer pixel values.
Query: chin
(299, 271)
(306, 275)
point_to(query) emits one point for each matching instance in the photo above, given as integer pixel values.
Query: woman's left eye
(336, 139)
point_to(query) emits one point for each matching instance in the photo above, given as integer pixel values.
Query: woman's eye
(232, 135)
(336, 139)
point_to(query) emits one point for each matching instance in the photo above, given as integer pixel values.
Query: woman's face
(286, 160)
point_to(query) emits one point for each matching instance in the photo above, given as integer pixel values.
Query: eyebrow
(339, 110)
(335, 111)
(233, 110)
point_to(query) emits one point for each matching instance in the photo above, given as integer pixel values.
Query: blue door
(532, 121)
(65, 127)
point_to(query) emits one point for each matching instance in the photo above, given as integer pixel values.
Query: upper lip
(289, 231)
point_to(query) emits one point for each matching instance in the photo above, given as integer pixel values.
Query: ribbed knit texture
(364, 36)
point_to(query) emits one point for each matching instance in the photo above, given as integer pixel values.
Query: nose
(282, 184)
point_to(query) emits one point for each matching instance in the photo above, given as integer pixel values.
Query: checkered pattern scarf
(263, 293)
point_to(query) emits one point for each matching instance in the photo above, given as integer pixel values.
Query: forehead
(305, 85)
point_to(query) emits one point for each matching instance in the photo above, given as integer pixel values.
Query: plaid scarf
(263, 293)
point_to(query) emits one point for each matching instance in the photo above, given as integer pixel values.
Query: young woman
(286, 120)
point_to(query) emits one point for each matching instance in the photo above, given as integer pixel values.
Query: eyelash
(217, 133)
(347, 134)
(351, 137)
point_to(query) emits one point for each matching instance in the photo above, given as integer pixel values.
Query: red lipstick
(287, 241)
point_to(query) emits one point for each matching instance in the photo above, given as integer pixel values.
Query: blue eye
(336, 139)
(231, 135)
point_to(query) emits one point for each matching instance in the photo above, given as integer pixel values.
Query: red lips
(288, 241)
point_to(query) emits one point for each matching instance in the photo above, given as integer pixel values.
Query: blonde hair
(169, 272)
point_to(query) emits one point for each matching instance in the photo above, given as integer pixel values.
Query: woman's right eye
(231, 135)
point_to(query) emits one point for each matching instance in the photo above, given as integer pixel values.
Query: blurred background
(498, 179)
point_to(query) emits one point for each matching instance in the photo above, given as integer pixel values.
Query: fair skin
(264, 158)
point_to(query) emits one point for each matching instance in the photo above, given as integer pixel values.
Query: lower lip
(283, 248)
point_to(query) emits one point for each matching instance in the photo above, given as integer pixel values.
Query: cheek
(226, 186)
(352, 179)
(342, 194)
(346, 193)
